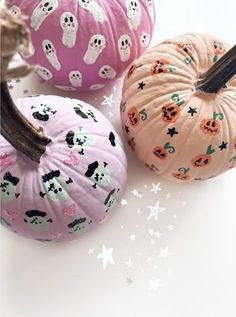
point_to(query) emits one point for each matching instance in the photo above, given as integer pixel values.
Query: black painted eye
(99, 42)
(77, 75)
(123, 43)
(49, 45)
(60, 189)
(46, 47)
(50, 9)
(71, 19)
(126, 42)
(66, 19)
(95, 41)
(46, 4)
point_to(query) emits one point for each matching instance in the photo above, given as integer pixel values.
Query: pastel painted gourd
(85, 44)
(179, 107)
(63, 167)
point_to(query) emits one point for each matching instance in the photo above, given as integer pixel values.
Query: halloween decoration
(62, 164)
(186, 89)
(73, 41)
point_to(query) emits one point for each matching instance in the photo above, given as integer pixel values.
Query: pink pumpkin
(85, 44)
(60, 179)
(179, 107)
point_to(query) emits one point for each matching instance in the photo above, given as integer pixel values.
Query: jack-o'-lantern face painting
(134, 116)
(170, 112)
(210, 126)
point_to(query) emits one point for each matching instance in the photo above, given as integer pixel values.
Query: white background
(197, 278)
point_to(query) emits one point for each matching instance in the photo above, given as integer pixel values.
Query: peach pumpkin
(187, 90)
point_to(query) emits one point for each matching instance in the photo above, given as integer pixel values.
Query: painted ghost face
(99, 174)
(107, 71)
(75, 78)
(44, 73)
(80, 139)
(96, 45)
(68, 22)
(37, 220)
(16, 10)
(41, 12)
(56, 189)
(145, 39)
(51, 54)
(8, 188)
(124, 47)
(133, 6)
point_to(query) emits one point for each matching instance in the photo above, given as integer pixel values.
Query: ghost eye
(49, 45)
(71, 19)
(46, 4)
(126, 41)
(50, 9)
(99, 42)
(123, 43)
(95, 41)
(66, 19)
(46, 47)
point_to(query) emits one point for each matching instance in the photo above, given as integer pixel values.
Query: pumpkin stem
(219, 74)
(15, 128)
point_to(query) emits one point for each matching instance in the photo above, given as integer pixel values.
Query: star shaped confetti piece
(172, 132)
(223, 146)
(164, 253)
(156, 188)
(106, 256)
(155, 211)
(154, 284)
(141, 85)
(192, 111)
(123, 202)
(108, 100)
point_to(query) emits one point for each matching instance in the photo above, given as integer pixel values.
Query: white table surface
(183, 265)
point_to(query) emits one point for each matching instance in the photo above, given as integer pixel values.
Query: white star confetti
(154, 284)
(123, 202)
(155, 210)
(129, 263)
(164, 253)
(106, 256)
(108, 100)
(156, 188)
(90, 251)
(136, 193)
(132, 237)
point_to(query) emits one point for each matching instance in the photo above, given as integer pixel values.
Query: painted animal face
(201, 160)
(134, 117)
(107, 71)
(210, 126)
(99, 174)
(160, 152)
(37, 220)
(8, 188)
(78, 225)
(170, 112)
(44, 73)
(68, 21)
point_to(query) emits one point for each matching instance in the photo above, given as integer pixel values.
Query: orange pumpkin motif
(134, 116)
(160, 67)
(187, 47)
(170, 112)
(203, 160)
(212, 126)
(182, 174)
(161, 152)
(132, 70)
